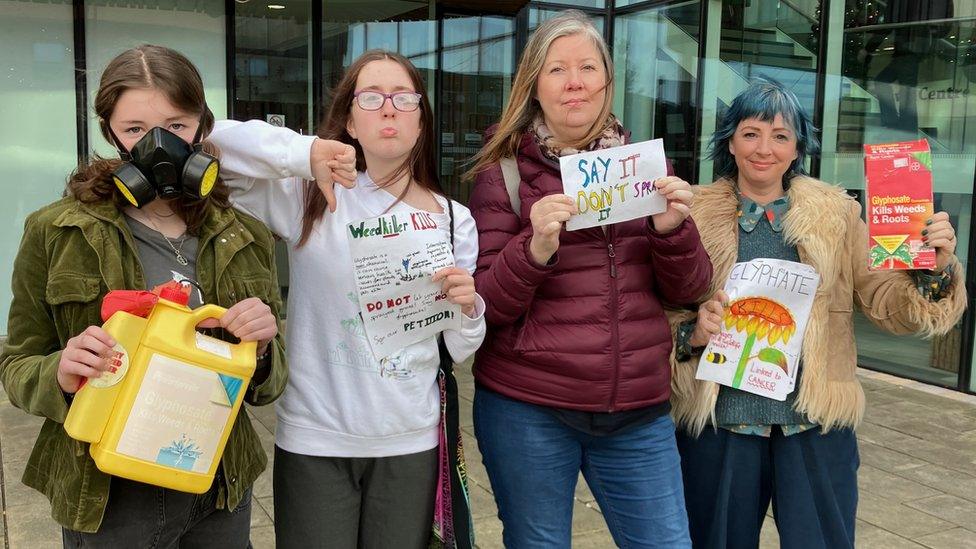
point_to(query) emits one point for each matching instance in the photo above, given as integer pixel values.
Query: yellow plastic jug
(163, 412)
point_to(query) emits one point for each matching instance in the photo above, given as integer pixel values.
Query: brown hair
(522, 107)
(420, 164)
(174, 75)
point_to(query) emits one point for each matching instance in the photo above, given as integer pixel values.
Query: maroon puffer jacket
(586, 332)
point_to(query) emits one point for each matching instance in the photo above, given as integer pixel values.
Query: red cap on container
(135, 302)
(175, 295)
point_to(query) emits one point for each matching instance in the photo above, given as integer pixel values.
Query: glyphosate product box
(898, 178)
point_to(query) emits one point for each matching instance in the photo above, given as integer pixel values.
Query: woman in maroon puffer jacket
(574, 372)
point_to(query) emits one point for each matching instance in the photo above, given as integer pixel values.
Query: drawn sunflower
(760, 318)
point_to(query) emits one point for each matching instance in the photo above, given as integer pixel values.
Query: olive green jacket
(71, 255)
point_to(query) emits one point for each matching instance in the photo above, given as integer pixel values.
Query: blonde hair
(522, 107)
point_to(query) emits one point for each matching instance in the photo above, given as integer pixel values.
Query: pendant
(181, 260)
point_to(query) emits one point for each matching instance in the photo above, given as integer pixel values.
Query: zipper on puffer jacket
(614, 316)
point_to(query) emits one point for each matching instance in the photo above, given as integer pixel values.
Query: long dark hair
(419, 165)
(174, 75)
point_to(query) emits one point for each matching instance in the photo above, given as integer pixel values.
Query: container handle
(204, 312)
(200, 314)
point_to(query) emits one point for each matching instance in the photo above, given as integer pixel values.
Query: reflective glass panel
(38, 138)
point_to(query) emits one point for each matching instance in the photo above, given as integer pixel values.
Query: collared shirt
(751, 212)
(767, 430)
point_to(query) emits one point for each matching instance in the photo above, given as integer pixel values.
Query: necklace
(178, 251)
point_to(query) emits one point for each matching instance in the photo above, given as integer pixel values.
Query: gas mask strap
(123, 154)
(196, 136)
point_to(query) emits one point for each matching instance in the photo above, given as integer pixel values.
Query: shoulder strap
(450, 213)
(512, 181)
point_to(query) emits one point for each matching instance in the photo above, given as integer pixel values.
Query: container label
(179, 415)
(118, 365)
(213, 346)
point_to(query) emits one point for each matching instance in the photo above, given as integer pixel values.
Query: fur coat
(825, 225)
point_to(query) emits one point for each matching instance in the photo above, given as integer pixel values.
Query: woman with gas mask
(357, 439)
(157, 214)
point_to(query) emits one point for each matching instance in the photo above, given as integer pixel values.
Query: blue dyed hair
(763, 100)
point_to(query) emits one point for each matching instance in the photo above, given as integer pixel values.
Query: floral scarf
(613, 135)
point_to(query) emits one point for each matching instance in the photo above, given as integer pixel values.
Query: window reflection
(272, 71)
(656, 63)
(904, 73)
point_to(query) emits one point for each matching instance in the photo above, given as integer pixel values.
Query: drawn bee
(716, 358)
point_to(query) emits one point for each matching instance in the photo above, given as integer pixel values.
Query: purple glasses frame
(390, 96)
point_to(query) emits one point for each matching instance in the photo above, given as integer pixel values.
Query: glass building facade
(869, 71)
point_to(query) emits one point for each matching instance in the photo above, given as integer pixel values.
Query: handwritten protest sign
(615, 184)
(394, 257)
(758, 349)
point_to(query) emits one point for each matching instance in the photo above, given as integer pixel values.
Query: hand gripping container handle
(214, 311)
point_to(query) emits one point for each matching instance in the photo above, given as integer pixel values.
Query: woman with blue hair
(739, 451)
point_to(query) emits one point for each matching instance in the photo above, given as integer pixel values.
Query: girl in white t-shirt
(356, 438)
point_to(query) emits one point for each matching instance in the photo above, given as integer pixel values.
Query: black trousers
(348, 503)
(141, 515)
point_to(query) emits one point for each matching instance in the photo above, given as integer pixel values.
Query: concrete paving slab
(769, 536)
(891, 486)
(886, 459)
(897, 518)
(482, 502)
(263, 537)
(583, 493)
(869, 536)
(259, 517)
(957, 538)
(464, 405)
(265, 415)
(15, 493)
(946, 507)
(268, 505)
(30, 526)
(946, 480)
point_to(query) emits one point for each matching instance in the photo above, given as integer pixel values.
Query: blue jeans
(533, 462)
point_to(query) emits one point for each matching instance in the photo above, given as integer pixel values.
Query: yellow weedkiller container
(162, 413)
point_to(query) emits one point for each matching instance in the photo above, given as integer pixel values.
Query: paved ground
(917, 478)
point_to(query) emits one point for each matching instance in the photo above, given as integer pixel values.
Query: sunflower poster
(899, 200)
(758, 349)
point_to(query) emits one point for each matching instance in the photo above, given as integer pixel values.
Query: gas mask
(162, 165)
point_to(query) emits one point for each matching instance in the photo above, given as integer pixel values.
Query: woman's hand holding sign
(548, 216)
(458, 285)
(710, 315)
(679, 196)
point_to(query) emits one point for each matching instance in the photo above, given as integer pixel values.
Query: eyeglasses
(373, 100)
